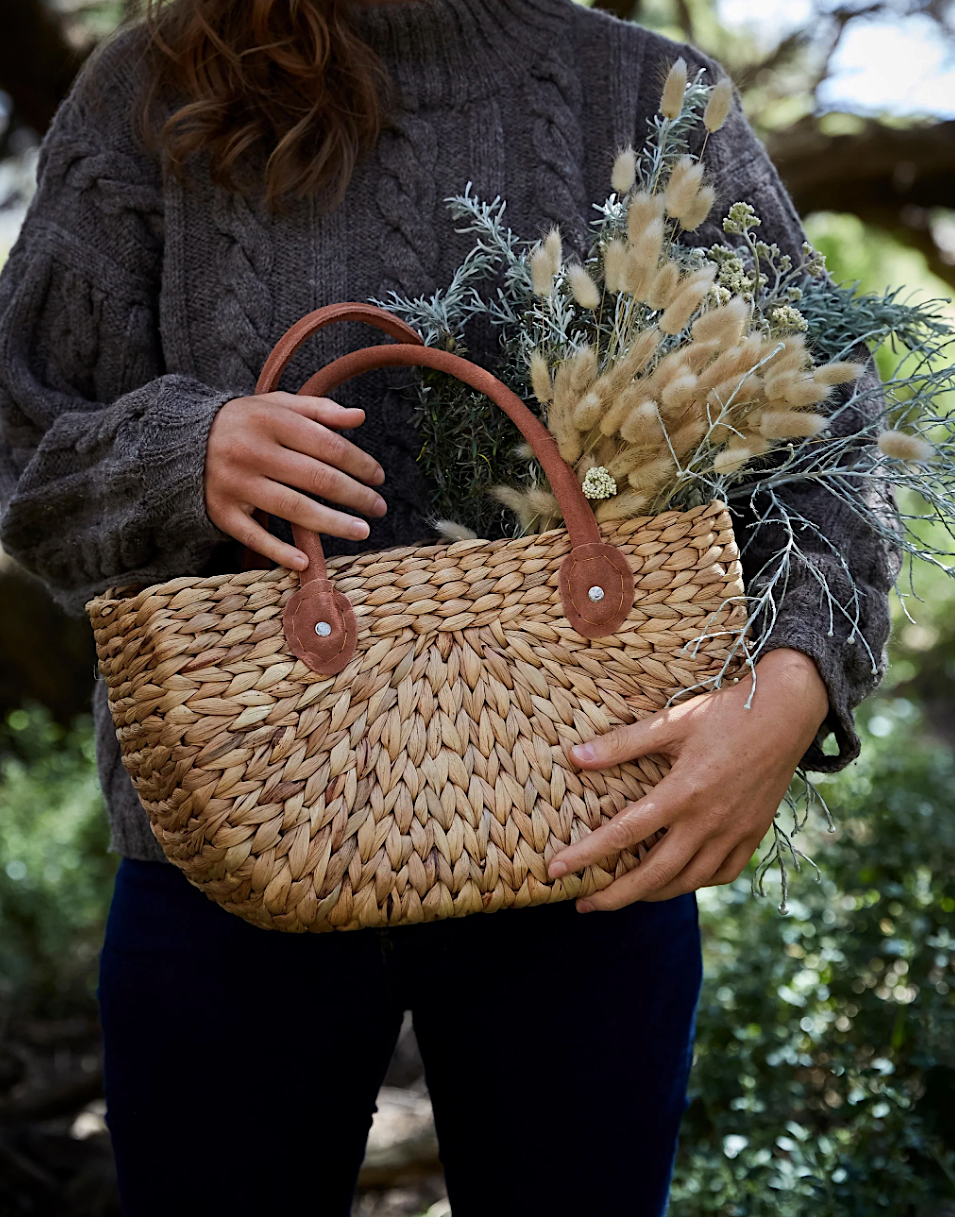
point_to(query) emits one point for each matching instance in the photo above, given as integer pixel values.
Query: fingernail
(585, 907)
(556, 869)
(379, 474)
(380, 505)
(360, 530)
(300, 561)
(583, 752)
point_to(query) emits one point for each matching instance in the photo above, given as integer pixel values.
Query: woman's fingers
(700, 871)
(264, 450)
(660, 867)
(716, 862)
(628, 827)
(247, 531)
(735, 862)
(652, 734)
(656, 733)
(295, 429)
(280, 500)
(715, 808)
(293, 470)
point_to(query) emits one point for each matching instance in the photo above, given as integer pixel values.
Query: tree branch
(888, 176)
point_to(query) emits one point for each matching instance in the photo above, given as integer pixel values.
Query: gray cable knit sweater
(131, 308)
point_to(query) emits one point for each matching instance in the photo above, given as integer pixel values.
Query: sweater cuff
(173, 453)
(839, 722)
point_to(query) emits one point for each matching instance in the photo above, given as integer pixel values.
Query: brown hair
(289, 78)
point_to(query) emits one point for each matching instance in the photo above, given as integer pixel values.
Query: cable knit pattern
(246, 310)
(132, 309)
(121, 189)
(554, 102)
(406, 198)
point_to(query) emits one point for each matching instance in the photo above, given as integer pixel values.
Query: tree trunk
(37, 64)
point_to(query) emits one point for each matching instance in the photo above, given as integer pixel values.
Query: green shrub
(55, 871)
(825, 1072)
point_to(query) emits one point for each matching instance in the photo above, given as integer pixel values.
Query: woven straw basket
(383, 740)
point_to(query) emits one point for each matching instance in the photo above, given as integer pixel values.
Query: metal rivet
(596, 593)
(322, 628)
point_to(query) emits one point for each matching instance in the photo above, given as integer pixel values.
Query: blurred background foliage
(825, 1072)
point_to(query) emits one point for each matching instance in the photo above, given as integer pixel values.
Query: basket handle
(278, 360)
(595, 579)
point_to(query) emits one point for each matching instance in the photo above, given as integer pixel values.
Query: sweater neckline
(448, 51)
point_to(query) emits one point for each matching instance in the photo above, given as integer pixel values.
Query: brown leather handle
(288, 344)
(312, 322)
(595, 580)
(577, 513)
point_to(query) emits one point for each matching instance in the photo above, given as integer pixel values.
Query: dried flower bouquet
(671, 375)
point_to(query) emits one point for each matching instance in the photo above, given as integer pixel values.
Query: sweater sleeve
(102, 451)
(846, 638)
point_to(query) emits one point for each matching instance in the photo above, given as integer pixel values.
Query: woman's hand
(731, 768)
(262, 447)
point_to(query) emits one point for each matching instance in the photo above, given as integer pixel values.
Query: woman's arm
(101, 450)
(731, 765)
(841, 551)
(113, 470)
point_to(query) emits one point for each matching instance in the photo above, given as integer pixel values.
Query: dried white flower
(624, 171)
(904, 447)
(598, 484)
(671, 103)
(542, 271)
(583, 288)
(814, 261)
(741, 217)
(555, 249)
(720, 295)
(788, 318)
(718, 107)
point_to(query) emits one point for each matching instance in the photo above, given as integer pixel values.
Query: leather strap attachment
(320, 627)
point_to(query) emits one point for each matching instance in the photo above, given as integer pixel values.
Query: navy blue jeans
(242, 1064)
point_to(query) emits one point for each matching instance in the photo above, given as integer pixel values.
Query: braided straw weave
(429, 777)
